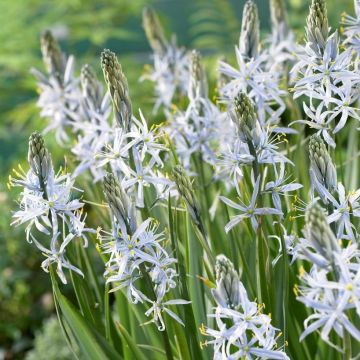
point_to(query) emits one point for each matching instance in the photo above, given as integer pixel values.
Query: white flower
(279, 186)
(47, 207)
(59, 100)
(330, 299)
(170, 74)
(242, 330)
(346, 206)
(261, 86)
(250, 211)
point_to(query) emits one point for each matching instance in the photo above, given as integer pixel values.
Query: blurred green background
(84, 28)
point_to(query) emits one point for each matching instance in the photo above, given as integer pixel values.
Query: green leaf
(139, 355)
(92, 344)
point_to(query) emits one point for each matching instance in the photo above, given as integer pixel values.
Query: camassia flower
(250, 211)
(241, 329)
(332, 286)
(170, 72)
(136, 254)
(326, 72)
(47, 207)
(59, 92)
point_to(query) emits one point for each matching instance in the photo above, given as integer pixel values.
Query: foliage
(84, 29)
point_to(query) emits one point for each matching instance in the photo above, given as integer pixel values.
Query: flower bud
(250, 31)
(279, 23)
(322, 169)
(52, 56)
(39, 158)
(90, 85)
(227, 292)
(317, 27)
(118, 88)
(244, 116)
(154, 31)
(319, 233)
(198, 87)
(119, 203)
(185, 189)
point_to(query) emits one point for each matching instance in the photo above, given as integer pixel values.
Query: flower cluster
(47, 207)
(281, 41)
(331, 287)
(202, 127)
(253, 146)
(133, 153)
(325, 74)
(171, 64)
(136, 252)
(352, 28)
(242, 330)
(59, 91)
(253, 75)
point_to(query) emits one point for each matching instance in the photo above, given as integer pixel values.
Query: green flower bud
(322, 168)
(317, 27)
(39, 158)
(279, 19)
(245, 119)
(185, 189)
(90, 85)
(52, 56)
(227, 292)
(250, 31)
(119, 203)
(318, 231)
(154, 31)
(198, 86)
(118, 88)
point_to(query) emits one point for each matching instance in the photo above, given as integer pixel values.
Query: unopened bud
(244, 116)
(279, 19)
(119, 203)
(198, 87)
(154, 31)
(118, 88)
(250, 31)
(322, 168)
(227, 292)
(90, 85)
(319, 233)
(185, 189)
(52, 56)
(39, 158)
(317, 27)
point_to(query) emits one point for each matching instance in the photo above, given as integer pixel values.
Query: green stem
(107, 313)
(285, 283)
(150, 289)
(347, 346)
(263, 265)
